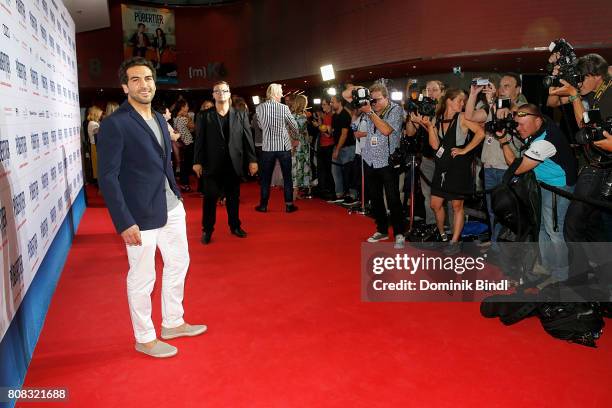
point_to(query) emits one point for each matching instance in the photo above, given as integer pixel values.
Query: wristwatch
(572, 98)
(370, 113)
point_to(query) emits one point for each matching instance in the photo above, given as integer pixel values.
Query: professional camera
(507, 124)
(567, 65)
(422, 105)
(406, 148)
(594, 127)
(361, 97)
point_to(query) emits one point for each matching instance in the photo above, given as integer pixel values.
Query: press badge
(489, 139)
(374, 141)
(440, 152)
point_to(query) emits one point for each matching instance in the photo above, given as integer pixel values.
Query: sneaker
(378, 237)
(348, 200)
(159, 350)
(453, 248)
(442, 237)
(399, 241)
(351, 205)
(336, 200)
(186, 330)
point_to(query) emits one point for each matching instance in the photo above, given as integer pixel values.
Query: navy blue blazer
(132, 168)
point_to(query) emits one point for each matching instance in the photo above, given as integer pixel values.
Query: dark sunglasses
(522, 114)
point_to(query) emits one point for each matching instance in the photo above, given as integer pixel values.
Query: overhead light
(331, 91)
(255, 100)
(540, 48)
(397, 95)
(327, 72)
(316, 101)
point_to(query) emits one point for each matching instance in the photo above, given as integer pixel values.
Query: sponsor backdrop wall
(40, 156)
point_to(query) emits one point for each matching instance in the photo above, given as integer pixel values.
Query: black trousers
(324, 169)
(587, 227)
(385, 181)
(186, 164)
(214, 186)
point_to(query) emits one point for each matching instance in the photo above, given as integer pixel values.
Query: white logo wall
(40, 155)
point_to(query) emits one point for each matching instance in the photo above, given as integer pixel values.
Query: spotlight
(327, 72)
(255, 100)
(331, 91)
(397, 96)
(316, 101)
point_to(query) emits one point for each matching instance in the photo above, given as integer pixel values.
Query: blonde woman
(300, 170)
(110, 108)
(94, 114)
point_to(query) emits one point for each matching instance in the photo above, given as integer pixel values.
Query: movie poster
(149, 32)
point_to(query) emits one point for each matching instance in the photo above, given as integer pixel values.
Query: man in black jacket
(223, 137)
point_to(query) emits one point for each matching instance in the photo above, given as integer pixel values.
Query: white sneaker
(378, 237)
(399, 241)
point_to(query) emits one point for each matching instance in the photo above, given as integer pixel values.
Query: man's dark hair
(532, 109)
(141, 25)
(340, 99)
(593, 64)
(134, 62)
(514, 75)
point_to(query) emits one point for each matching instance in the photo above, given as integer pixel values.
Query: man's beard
(144, 100)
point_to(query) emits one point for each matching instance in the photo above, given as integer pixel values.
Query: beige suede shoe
(159, 350)
(185, 330)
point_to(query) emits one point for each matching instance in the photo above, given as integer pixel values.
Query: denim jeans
(427, 168)
(341, 169)
(553, 249)
(268, 160)
(492, 177)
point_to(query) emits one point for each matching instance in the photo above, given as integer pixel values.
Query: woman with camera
(449, 137)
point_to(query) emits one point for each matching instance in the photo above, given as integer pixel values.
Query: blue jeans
(492, 177)
(341, 170)
(268, 160)
(553, 249)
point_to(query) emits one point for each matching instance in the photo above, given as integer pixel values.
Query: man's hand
(425, 121)
(131, 236)
(335, 154)
(605, 144)
(253, 168)
(502, 113)
(197, 169)
(367, 108)
(501, 136)
(565, 90)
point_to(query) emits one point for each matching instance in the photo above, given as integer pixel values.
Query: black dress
(452, 179)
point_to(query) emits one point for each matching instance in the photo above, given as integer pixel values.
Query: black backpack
(580, 323)
(516, 203)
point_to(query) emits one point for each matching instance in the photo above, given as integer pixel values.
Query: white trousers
(172, 242)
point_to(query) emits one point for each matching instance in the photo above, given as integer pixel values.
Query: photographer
(452, 179)
(547, 152)
(384, 130)
(586, 222)
(435, 90)
(493, 160)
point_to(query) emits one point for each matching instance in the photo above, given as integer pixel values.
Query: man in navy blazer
(136, 179)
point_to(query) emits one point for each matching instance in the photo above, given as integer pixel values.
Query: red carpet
(287, 328)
